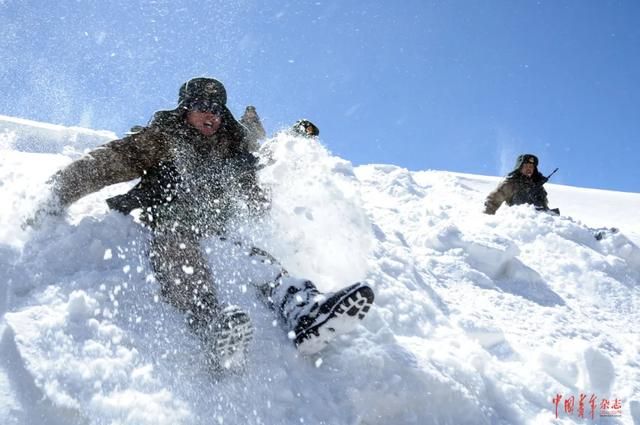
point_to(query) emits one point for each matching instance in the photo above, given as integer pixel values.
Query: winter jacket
(517, 189)
(185, 178)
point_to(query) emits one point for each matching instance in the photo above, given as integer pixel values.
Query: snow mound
(478, 319)
(31, 136)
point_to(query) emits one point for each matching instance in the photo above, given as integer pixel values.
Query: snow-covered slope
(478, 319)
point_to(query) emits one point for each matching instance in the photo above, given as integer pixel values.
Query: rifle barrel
(552, 173)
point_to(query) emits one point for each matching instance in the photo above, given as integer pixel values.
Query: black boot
(232, 333)
(318, 318)
(226, 334)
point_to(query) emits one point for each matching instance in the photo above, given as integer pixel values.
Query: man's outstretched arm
(115, 162)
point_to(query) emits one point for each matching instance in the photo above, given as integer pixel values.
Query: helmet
(305, 128)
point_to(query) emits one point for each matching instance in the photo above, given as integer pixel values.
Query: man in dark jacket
(196, 172)
(522, 186)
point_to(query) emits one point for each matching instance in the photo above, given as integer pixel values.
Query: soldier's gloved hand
(47, 208)
(260, 202)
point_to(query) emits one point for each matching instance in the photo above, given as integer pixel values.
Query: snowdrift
(478, 319)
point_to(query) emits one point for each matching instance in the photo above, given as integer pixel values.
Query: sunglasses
(205, 105)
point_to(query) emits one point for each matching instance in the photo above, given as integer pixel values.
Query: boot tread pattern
(232, 340)
(341, 317)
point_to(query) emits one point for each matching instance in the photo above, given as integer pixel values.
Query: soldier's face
(207, 123)
(527, 169)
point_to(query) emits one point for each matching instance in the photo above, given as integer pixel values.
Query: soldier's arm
(115, 162)
(496, 198)
(545, 199)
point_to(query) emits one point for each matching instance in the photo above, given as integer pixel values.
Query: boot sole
(343, 318)
(231, 345)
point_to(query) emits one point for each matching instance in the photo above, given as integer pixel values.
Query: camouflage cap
(202, 88)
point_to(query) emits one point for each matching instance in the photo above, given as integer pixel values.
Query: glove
(47, 208)
(259, 202)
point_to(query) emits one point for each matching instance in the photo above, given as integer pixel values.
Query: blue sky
(450, 85)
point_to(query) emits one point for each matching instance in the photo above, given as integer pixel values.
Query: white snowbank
(478, 319)
(37, 137)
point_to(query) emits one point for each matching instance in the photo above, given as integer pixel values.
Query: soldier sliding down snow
(196, 171)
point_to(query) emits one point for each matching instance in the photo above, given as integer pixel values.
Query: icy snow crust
(478, 319)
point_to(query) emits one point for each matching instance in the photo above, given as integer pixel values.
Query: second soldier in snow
(524, 185)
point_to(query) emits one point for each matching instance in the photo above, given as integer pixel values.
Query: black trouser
(188, 282)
